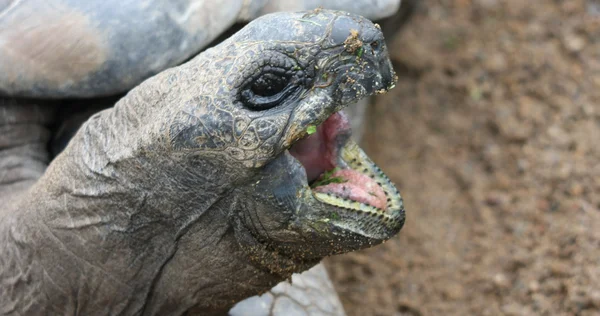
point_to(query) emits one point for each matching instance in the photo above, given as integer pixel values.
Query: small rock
(574, 43)
(534, 286)
(496, 63)
(564, 171)
(501, 281)
(512, 128)
(559, 136)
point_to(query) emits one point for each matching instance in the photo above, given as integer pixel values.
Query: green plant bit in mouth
(327, 178)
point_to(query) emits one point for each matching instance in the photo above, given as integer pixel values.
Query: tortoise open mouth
(342, 175)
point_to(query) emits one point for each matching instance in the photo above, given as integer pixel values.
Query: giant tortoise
(204, 145)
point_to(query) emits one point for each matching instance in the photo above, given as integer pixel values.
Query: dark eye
(269, 85)
(270, 88)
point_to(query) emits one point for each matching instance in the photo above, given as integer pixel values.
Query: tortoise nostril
(377, 46)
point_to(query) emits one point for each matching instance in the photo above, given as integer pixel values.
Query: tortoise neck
(96, 259)
(120, 226)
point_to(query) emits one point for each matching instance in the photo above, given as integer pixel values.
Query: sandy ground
(493, 137)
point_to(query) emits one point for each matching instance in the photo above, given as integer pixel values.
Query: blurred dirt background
(493, 138)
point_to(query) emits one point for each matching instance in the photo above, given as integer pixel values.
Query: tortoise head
(259, 116)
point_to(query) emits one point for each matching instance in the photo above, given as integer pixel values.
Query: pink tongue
(313, 154)
(357, 187)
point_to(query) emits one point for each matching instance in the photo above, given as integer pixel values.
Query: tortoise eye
(269, 85)
(269, 89)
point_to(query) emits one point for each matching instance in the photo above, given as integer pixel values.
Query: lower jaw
(352, 157)
(360, 217)
(342, 175)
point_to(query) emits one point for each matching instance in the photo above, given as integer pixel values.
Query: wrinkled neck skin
(117, 224)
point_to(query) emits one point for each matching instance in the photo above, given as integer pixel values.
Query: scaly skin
(182, 198)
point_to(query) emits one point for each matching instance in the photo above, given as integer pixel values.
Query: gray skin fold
(104, 226)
